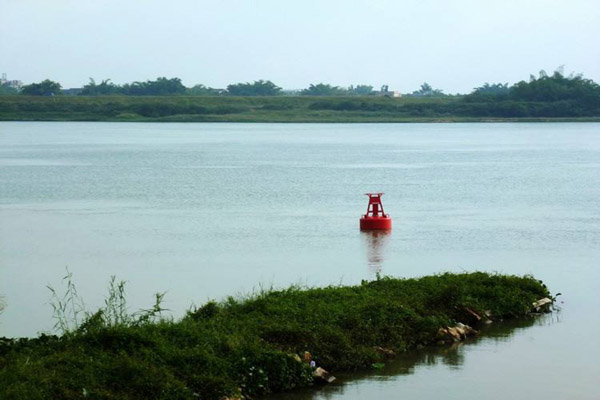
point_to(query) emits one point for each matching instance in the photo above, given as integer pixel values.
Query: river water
(203, 211)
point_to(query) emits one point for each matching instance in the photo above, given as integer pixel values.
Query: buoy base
(375, 223)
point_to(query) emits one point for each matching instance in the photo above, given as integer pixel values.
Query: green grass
(282, 109)
(247, 346)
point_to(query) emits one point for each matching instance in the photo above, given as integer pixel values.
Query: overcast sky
(454, 45)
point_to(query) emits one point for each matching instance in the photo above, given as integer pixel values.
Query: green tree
(105, 87)
(323, 89)
(5, 89)
(257, 88)
(494, 89)
(44, 88)
(543, 96)
(361, 90)
(557, 87)
(160, 86)
(427, 91)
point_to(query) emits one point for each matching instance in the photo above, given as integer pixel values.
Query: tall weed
(71, 315)
(68, 307)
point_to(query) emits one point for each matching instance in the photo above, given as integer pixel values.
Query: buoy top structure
(375, 218)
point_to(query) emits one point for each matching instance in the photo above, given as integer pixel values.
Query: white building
(388, 93)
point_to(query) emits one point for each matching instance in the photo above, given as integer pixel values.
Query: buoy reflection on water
(376, 243)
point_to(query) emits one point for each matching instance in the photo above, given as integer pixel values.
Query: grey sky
(454, 45)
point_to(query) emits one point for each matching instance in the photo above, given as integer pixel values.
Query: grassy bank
(283, 109)
(248, 346)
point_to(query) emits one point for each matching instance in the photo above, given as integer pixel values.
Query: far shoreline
(320, 121)
(282, 109)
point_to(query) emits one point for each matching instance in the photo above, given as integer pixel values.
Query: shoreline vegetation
(299, 109)
(545, 98)
(249, 347)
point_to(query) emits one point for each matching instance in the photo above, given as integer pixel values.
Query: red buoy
(375, 218)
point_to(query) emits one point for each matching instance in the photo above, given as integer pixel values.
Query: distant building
(13, 84)
(388, 93)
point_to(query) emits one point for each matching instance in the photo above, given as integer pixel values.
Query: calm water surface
(204, 211)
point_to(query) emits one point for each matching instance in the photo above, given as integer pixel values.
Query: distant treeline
(544, 88)
(163, 86)
(173, 87)
(545, 96)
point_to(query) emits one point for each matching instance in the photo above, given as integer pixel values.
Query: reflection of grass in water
(453, 355)
(409, 362)
(448, 355)
(245, 344)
